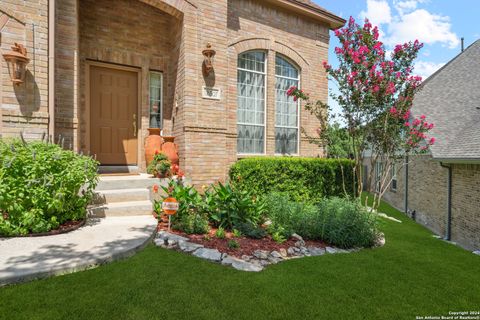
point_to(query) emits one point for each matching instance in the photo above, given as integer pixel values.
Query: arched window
(251, 102)
(286, 110)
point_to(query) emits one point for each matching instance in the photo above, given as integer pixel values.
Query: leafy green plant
(191, 216)
(236, 233)
(338, 221)
(278, 237)
(42, 186)
(233, 244)
(229, 206)
(159, 166)
(303, 179)
(251, 230)
(220, 233)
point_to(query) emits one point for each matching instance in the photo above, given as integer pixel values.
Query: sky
(439, 24)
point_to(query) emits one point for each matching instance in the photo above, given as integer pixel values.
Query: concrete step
(121, 209)
(129, 182)
(121, 195)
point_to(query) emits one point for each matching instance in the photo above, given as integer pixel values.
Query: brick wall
(233, 27)
(24, 108)
(466, 205)
(169, 35)
(427, 195)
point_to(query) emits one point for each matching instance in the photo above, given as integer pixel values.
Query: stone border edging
(255, 263)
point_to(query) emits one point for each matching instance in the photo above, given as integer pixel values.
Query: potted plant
(159, 166)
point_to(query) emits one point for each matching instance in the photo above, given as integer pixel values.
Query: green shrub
(251, 230)
(304, 179)
(236, 233)
(337, 221)
(233, 244)
(191, 216)
(229, 206)
(220, 233)
(223, 205)
(278, 237)
(42, 186)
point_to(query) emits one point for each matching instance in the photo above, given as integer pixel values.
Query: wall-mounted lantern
(17, 61)
(208, 58)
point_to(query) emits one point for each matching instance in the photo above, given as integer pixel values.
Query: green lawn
(413, 274)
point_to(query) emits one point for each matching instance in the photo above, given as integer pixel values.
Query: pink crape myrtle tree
(376, 92)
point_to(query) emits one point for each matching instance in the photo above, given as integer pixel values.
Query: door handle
(134, 125)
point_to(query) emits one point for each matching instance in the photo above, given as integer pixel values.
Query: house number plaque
(211, 93)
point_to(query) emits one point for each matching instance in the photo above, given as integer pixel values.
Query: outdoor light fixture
(17, 61)
(208, 57)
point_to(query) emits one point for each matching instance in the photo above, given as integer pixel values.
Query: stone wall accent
(24, 108)
(427, 195)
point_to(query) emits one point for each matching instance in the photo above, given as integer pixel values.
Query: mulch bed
(63, 228)
(247, 245)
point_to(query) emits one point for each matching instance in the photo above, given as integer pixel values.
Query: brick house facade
(442, 189)
(89, 54)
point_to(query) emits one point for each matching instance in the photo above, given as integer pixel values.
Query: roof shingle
(450, 98)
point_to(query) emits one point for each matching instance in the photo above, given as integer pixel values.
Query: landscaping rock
(274, 260)
(300, 243)
(291, 251)
(208, 254)
(170, 236)
(380, 241)
(260, 254)
(188, 246)
(314, 251)
(283, 252)
(171, 242)
(160, 243)
(477, 252)
(246, 266)
(228, 260)
(276, 254)
(246, 258)
(331, 250)
(296, 236)
(304, 252)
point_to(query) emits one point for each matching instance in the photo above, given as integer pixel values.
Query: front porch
(120, 80)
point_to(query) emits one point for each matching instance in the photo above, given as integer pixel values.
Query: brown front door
(113, 115)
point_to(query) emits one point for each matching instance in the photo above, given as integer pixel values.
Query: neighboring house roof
(313, 10)
(450, 98)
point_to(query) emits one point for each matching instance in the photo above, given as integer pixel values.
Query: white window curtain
(156, 97)
(251, 102)
(286, 110)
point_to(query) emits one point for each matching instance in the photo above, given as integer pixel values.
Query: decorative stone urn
(152, 143)
(170, 149)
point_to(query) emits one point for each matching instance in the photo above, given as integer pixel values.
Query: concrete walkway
(99, 241)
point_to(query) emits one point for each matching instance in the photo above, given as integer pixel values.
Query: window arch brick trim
(265, 43)
(175, 8)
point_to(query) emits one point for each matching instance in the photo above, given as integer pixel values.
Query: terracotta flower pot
(152, 143)
(170, 149)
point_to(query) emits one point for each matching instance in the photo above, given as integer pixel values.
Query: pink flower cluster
(296, 93)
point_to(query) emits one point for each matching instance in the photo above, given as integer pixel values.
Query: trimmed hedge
(304, 179)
